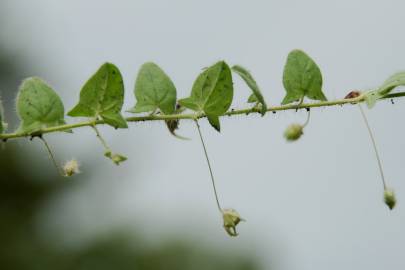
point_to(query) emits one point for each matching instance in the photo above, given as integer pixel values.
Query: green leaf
(398, 79)
(212, 92)
(38, 106)
(301, 78)
(190, 103)
(102, 96)
(252, 99)
(154, 90)
(214, 121)
(371, 97)
(3, 125)
(257, 94)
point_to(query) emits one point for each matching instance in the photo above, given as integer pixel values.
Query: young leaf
(2, 124)
(38, 106)
(252, 99)
(248, 78)
(371, 97)
(301, 78)
(154, 90)
(212, 93)
(398, 79)
(103, 96)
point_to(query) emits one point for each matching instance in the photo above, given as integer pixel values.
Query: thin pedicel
(389, 194)
(231, 217)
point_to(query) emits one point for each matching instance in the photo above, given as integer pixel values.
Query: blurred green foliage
(22, 196)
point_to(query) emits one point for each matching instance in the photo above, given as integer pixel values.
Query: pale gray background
(314, 204)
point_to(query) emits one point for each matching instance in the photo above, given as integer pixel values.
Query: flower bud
(231, 219)
(293, 132)
(116, 158)
(389, 198)
(70, 168)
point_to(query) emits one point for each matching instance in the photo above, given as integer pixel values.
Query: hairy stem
(193, 116)
(209, 166)
(374, 146)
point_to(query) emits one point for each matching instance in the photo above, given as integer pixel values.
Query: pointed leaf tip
(214, 122)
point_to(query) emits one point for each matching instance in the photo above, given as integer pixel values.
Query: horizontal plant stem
(194, 116)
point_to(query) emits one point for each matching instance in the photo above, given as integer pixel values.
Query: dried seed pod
(173, 125)
(353, 94)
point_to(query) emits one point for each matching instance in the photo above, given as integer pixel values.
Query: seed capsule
(293, 132)
(231, 220)
(116, 158)
(389, 198)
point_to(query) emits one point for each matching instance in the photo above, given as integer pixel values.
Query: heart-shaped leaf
(102, 96)
(212, 93)
(38, 106)
(154, 90)
(257, 94)
(371, 97)
(301, 78)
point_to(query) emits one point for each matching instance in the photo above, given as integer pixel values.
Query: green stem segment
(209, 166)
(307, 121)
(103, 142)
(193, 116)
(374, 146)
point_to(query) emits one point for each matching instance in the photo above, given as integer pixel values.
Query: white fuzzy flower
(71, 167)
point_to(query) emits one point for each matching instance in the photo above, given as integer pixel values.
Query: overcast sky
(313, 204)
